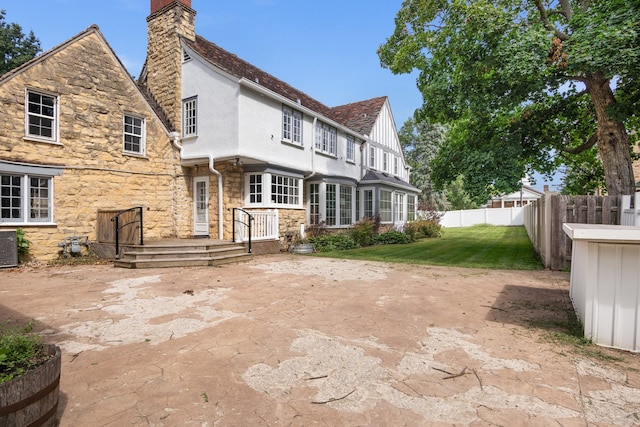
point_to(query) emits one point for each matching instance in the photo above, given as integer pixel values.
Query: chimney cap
(157, 5)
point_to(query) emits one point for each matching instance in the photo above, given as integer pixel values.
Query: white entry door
(201, 206)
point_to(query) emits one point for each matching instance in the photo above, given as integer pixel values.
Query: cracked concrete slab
(289, 340)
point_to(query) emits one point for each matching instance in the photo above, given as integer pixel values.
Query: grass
(492, 247)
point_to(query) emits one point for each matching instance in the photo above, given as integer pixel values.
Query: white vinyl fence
(491, 216)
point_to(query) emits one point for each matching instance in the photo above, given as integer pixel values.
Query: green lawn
(493, 247)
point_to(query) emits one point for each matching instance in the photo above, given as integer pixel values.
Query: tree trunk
(613, 140)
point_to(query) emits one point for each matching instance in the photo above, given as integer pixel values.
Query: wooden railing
(264, 225)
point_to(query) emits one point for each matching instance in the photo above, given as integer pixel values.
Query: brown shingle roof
(358, 116)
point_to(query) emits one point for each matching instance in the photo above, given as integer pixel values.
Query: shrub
(425, 228)
(19, 350)
(391, 238)
(363, 231)
(332, 242)
(23, 245)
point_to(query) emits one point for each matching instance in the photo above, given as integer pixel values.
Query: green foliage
(332, 242)
(19, 350)
(457, 197)
(392, 237)
(426, 228)
(420, 145)
(583, 174)
(363, 231)
(23, 245)
(16, 48)
(519, 82)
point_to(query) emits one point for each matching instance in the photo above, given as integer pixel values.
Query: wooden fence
(543, 220)
(129, 226)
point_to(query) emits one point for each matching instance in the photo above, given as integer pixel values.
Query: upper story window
(326, 139)
(190, 116)
(134, 133)
(351, 148)
(41, 116)
(25, 198)
(396, 162)
(385, 161)
(291, 125)
(372, 157)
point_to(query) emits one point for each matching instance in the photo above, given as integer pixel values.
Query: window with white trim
(346, 204)
(398, 209)
(411, 208)
(314, 204)
(326, 139)
(190, 116)
(255, 188)
(25, 198)
(270, 189)
(351, 148)
(372, 157)
(385, 161)
(41, 116)
(330, 206)
(396, 162)
(291, 125)
(285, 190)
(367, 211)
(385, 206)
(134, 134)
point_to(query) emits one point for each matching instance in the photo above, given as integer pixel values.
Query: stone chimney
(546, 188)
(169, 21)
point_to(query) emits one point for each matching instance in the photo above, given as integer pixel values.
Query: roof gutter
(174, 139)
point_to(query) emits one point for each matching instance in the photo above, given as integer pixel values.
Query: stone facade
(163, 69)
(94, 93)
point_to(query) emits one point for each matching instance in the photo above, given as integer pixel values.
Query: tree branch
(547, 23)
(583, 147)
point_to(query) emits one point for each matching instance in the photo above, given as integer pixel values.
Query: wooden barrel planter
(32, 399)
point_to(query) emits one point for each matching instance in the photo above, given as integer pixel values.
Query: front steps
(184, 253)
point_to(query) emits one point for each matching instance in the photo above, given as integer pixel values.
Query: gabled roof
(93, 29)
(358, 116)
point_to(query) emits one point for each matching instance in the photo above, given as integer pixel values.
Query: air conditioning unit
(8, 248)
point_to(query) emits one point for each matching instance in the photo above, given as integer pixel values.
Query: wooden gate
(129, 226)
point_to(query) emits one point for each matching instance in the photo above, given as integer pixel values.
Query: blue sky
(326, 49)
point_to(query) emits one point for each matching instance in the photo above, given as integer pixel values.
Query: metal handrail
(116, 220)
(233, 213)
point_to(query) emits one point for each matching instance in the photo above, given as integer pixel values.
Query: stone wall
(94, 93)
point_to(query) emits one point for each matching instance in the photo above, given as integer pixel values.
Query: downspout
(313, 148)
(174, 139)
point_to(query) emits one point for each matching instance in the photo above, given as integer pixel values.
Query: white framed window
(271, 189)
(396, 162)
(25, 198)
(346, 205)
(285, 190)
(41, 116)
(367, 210)
(255, 188)
(326, 138)
(314, 204)
(134, 134)
(291, 125)
(351, 148)
(385, 161)
(411, 208)
(330, 204)
(398, 208)
(386, 206)
(190, 116)
(372, 157)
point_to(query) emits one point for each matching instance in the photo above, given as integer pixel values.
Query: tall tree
(420, 144)
(521, 81)
(16, 48)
